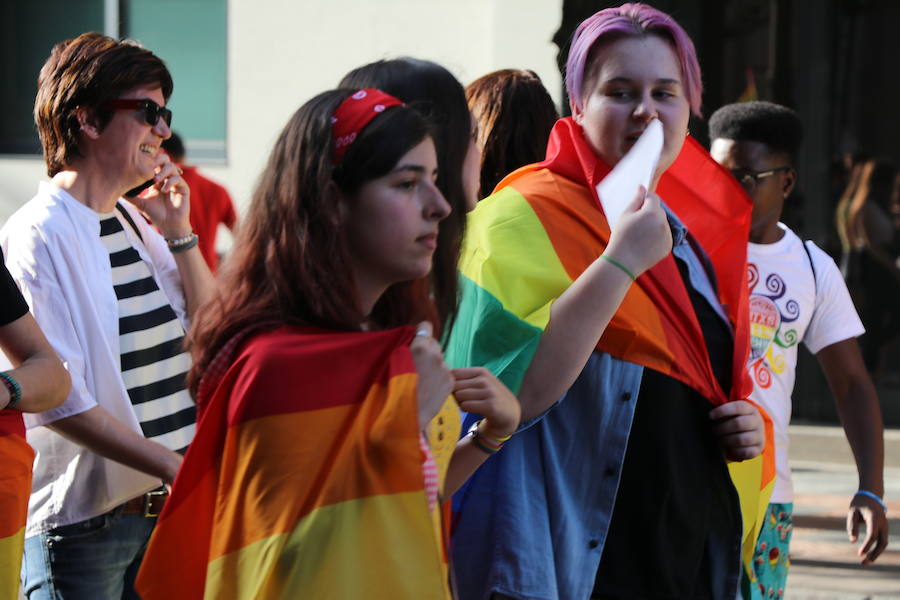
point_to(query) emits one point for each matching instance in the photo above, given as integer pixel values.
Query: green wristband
(625, 269)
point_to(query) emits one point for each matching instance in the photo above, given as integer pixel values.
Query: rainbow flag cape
(544, 225)
(16, 459)
(304, 479)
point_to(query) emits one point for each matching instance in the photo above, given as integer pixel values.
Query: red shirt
(210, 205)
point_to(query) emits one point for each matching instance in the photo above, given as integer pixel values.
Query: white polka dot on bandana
(333, 120)
(378, 108)
(360, 95)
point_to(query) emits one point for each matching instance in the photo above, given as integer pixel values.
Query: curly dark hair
(774, 125)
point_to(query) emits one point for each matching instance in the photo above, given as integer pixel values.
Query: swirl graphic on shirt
(770, 316)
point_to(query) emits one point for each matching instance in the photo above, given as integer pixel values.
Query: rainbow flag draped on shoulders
(543, 226)
(305, 478)
(16, 458)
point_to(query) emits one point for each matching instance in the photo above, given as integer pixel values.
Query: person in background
(34, 381)
(630, 372)
(797, 295)
(211, 205)
(869, 262)
(514, 114)
(316, 376)
(113, 297)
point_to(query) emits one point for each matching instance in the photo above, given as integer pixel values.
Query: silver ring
(421, 333)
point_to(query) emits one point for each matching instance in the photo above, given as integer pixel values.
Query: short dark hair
(85, 72)
(174, 147)
(515, 115)
(774, 125)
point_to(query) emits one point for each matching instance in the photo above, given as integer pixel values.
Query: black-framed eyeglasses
(152, 110)
(750, 179)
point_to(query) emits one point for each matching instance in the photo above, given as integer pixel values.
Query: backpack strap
(131, 222)
(812, 266)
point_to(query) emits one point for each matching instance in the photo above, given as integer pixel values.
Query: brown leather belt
(149, 505)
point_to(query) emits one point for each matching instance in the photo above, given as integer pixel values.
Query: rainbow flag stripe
(304, 479)
(543, 226)
(16, 459)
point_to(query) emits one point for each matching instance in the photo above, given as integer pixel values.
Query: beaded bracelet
(874, 497)
(183, 243)
(15, 391)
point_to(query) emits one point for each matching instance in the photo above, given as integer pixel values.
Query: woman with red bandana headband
(326, 432)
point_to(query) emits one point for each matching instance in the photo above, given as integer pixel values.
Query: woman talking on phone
(114, 298)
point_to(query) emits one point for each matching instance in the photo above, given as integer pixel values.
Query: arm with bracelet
(38, 380)
(580, 315)
(167, 204)
(478, 391)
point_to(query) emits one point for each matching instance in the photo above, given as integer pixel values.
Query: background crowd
(419, 264)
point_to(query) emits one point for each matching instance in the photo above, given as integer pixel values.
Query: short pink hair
(632, 20)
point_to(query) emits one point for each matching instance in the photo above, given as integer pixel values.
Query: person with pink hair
(616, 484)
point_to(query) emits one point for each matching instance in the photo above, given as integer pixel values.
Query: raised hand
(642, 236)
(435, 381)
(167, 201)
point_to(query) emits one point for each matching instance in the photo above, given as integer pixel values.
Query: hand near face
(478, 391)
(642, 236)
(740, 430)
(435, 381)
(167, 201)
(865, 511)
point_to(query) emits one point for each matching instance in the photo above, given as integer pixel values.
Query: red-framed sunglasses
(152, 110)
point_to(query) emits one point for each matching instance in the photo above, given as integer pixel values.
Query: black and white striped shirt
(153, 361)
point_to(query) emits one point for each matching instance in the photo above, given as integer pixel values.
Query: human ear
(790, 180)
(335, 197)
(87, 122)
(577, 113)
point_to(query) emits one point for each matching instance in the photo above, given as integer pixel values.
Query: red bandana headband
(352, 116)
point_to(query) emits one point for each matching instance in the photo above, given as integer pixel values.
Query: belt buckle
(148, 502)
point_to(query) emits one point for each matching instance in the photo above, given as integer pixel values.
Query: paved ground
(824, 565)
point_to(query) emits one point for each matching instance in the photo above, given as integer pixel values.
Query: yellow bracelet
(481, 432)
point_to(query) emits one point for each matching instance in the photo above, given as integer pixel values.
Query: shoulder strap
(812, 265)
(128, 218)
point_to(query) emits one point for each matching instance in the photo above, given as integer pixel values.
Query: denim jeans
(96, 559)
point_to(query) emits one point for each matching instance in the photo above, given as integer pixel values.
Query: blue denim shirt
(532, 521)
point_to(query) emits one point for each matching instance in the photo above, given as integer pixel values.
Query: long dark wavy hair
(438, 93)
(291, 259)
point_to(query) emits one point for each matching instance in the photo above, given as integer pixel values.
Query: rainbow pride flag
(304, 480)
(544, 225)
(16, 459)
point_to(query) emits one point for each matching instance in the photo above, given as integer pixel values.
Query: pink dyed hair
(632, 20)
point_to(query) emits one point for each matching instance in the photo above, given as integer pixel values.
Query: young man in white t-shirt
(797, 294)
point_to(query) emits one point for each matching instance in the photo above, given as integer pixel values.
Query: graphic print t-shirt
(788, 304)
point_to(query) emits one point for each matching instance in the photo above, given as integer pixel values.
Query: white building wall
(282, 52)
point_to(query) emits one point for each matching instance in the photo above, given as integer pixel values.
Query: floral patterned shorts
(770, 559)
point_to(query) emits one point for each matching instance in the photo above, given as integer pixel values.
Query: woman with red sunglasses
(114, 298)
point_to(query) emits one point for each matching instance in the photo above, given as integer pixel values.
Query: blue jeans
(96, 559)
